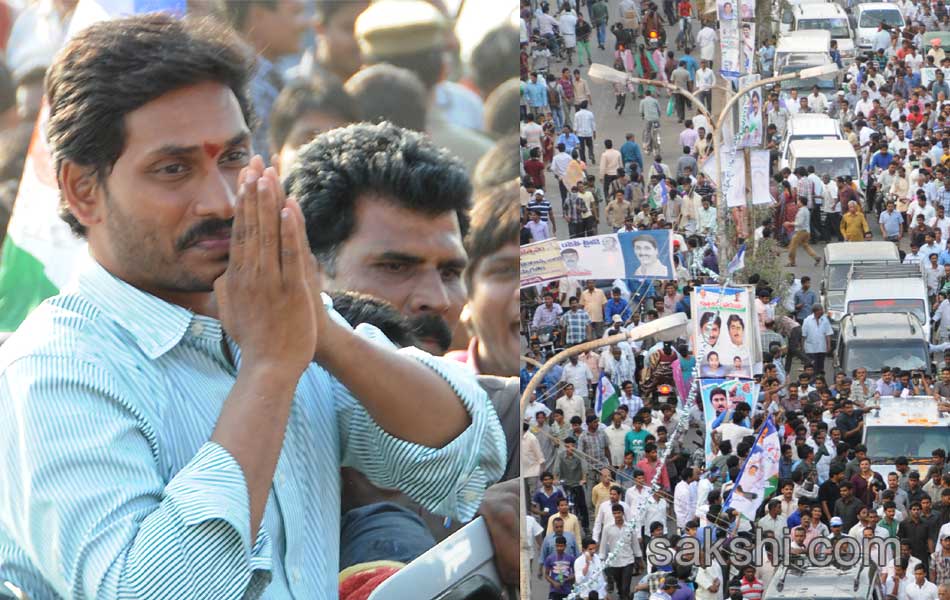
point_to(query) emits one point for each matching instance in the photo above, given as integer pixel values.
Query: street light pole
(725, 249)
(605, 73)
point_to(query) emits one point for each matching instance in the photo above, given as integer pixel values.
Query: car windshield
(905, 305)
(804, 85)
(838, 276)
(874, 354)
(913, 442)
(873, 18)
(837, 27)
(839, 166)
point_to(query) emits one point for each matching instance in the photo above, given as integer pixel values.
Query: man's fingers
(251, 220)
(236, 254)
(300, 237)
(268, 215)
(290, 258)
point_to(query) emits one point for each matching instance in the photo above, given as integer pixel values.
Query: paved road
(612, 126)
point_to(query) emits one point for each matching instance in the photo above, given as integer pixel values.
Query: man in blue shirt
(536, 93)
(691, 65)
(568, 138)
(616, 306)
(188, 403)
(804, 299)
(892, 223)
(630, 153)
(881, 159)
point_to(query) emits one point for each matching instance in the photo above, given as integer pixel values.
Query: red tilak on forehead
(212, 149)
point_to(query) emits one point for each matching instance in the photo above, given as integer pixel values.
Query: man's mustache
(205, 229)
(433, 327)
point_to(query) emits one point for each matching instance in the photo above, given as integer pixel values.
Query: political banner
(730, 336)
(759, 475)
(647, 254)
(729, 46)
(747, 34)
(750, 114)
(733, 179)
(719, 397)
(759, 162)
(727, 10)
(541, 261)
(597, 257)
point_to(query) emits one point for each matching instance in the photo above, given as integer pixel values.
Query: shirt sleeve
(86, 497)
(448, 481)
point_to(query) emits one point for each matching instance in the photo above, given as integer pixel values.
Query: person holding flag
(759, 475)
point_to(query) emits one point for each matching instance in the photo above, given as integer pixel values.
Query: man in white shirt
(616, 434)
(920, 588)
(817, 101)
(559, 166)
(942, 222)
(864, 105)
(708, 580)
(816, 333)
(571, 403)
(705, 80)
(587, 566)
(586, 131)
(567, 24)
(532, 132)
(579, 374)
(626, 551)
(605, 514)
(706, 42)
(684, 498)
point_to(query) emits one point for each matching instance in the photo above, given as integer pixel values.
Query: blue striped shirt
(110, 488)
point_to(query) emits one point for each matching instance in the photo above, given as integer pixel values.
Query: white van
(888, 289)
(830, 17)
(788, 8)
(867, 18)
(809, 126)
(808, 47)
(834, 157)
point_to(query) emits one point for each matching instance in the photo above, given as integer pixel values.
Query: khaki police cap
(397, 27)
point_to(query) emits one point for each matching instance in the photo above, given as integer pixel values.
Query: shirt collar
(156, 325)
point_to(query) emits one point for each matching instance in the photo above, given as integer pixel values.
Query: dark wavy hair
(115, 67)
(338, 167)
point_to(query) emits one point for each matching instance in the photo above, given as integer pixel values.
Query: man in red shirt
(651, 463)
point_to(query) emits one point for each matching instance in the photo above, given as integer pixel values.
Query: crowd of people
(589, 477)
(287, 366)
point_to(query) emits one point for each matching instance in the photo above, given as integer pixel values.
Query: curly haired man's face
(163, 219)
(412, 260)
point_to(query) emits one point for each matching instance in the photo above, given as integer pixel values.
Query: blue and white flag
(607, 399)
(737, 262)
(759, 475)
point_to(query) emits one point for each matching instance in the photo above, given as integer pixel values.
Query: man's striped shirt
(110, 485)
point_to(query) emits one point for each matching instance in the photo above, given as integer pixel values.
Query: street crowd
(588, 478)
(286, 367)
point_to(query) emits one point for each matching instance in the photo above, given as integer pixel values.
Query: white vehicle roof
(913, 411)
(849, 252)
(822, 149)
(805, 41)
(813, 124)
(877, 6)
(886, 289)
(824, 10)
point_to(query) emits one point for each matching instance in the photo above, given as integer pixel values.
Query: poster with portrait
(540, 262)
(750, 114)
(729, 48)
(720, 396)
(724, 330)
(727, 10)
(759, 161)
(647, 254)
(747, 36)
(597, 257)
(733, 179)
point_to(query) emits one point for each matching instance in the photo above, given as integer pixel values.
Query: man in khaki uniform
(593, 300)
(411, 34)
